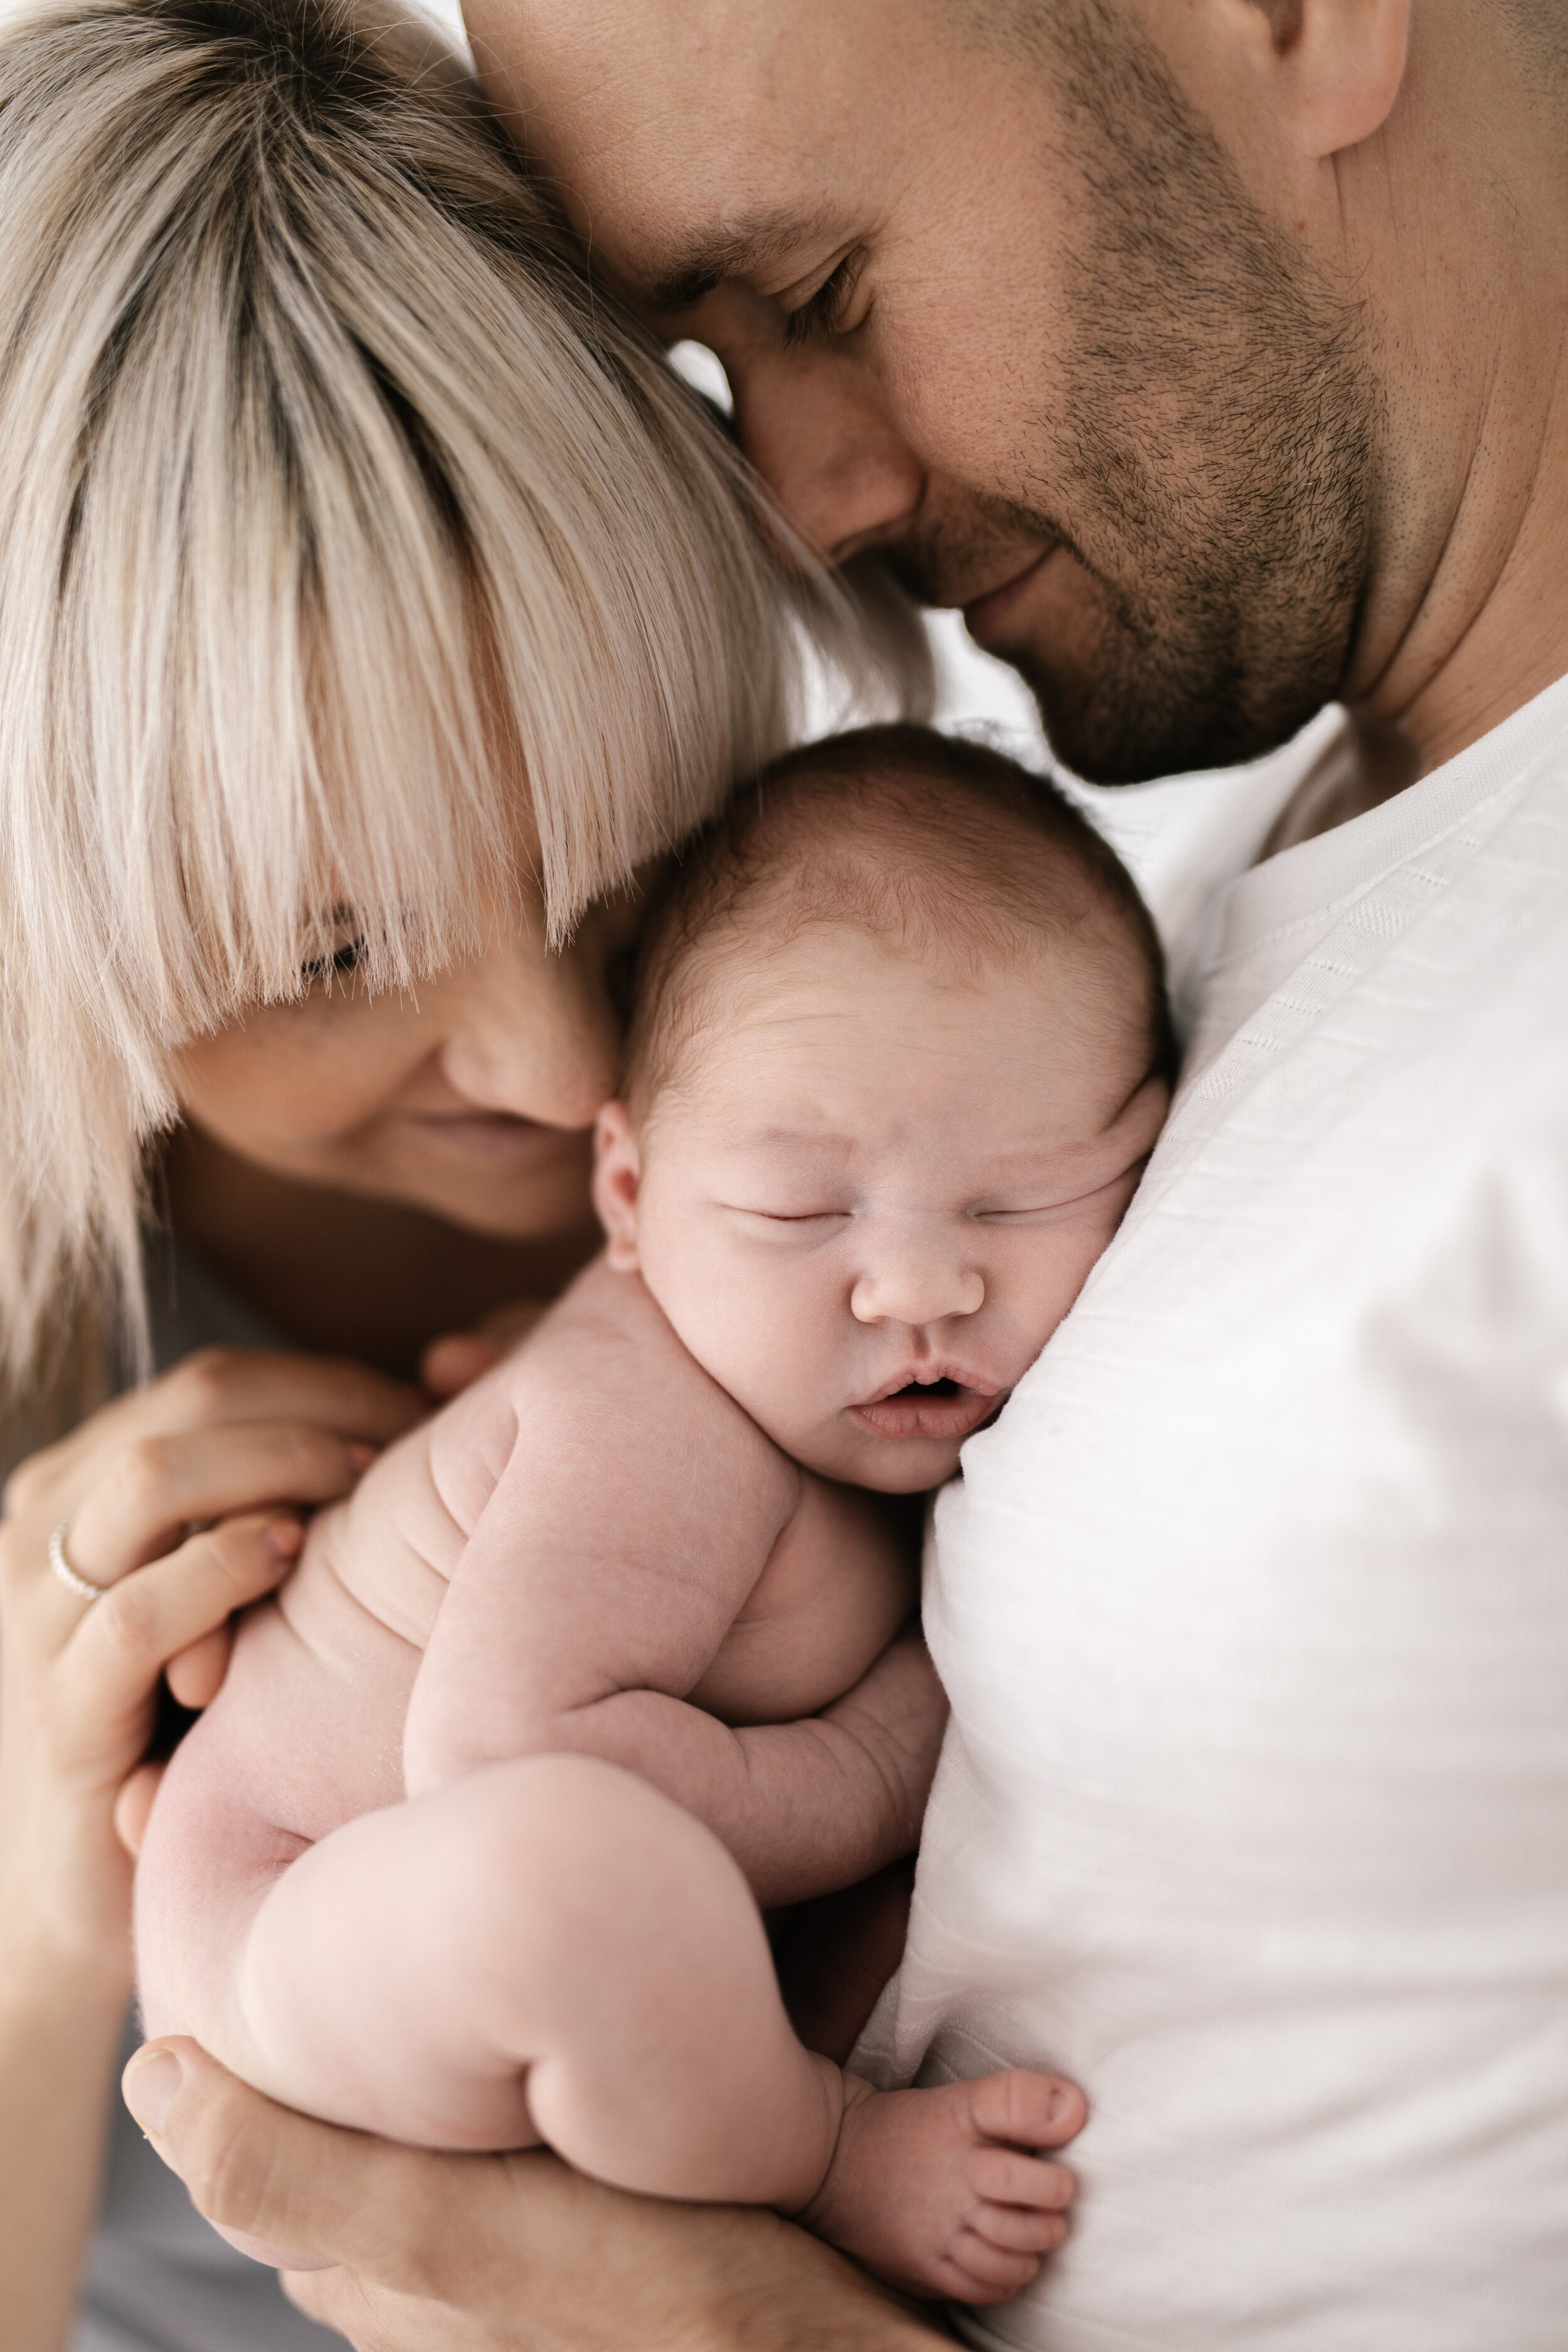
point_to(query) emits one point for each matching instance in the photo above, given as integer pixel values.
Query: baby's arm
(630, 1520)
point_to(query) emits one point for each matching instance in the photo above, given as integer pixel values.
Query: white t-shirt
(1253, 1609)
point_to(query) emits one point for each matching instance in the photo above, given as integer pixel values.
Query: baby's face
(878, 1191)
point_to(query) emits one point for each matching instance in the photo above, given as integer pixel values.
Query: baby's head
(898, 1054)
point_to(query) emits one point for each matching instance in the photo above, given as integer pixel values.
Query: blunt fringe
(334, 503)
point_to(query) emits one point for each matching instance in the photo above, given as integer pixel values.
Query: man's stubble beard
(1212, 439)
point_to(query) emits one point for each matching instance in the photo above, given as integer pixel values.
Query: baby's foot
(939, 2191)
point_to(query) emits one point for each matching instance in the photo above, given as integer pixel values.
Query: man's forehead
(700, 136)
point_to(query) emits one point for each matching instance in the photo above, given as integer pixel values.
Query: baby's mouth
(944, 1407)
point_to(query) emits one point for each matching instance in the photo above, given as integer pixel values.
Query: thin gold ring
(67, 1574)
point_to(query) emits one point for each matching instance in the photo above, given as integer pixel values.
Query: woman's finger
(141, 1506)
(239, 1384)
(453, 1363)
(450, 1362)
(196, 1675)
(123, 1642)
(216, 1386)
(133, 1806)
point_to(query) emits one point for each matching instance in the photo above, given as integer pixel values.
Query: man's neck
(1457, 226)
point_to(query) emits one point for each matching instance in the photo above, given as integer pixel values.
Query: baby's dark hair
(939, 845)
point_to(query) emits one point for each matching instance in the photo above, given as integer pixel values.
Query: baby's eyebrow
(802, 1140)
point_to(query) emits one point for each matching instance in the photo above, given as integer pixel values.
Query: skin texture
(490, 2253)
(1415, 158)
(627, 1571)
(844, 1168)
(222, 1435)
(1209, 356)
(441, 1138)
(372, 1173)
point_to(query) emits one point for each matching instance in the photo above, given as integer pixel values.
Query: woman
(372, 607)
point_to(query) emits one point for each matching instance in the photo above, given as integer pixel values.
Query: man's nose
(908, 1282)
(813, 427)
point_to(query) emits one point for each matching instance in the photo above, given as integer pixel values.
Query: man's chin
(1117, 713)
(1105, 693)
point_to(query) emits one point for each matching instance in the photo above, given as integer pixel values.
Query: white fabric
(1253, 1608)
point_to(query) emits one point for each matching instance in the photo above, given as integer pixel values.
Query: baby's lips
(938, 1419)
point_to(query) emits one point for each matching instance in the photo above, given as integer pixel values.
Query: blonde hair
(333, 501)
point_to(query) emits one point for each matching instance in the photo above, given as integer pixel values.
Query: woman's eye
(826, 313)
(337, 965)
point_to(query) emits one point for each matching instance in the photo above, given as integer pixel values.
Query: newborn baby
(615, 1649)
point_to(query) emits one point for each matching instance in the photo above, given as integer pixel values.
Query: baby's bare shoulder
(604, 1382)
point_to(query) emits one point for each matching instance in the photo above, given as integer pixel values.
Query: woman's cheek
(291, 1077)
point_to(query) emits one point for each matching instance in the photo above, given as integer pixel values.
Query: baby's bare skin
(471, 1847)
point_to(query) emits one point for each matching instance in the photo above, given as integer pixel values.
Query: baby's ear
(617, 1173)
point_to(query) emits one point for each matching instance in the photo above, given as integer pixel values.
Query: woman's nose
(813, 425)
(533, 1033)
(917, 1287)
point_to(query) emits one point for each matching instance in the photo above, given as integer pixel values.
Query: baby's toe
(1019, 2228)
(976, 2271)
(1031, 2110)
(1005, 2178)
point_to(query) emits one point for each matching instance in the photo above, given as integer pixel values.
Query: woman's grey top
(160, 2279)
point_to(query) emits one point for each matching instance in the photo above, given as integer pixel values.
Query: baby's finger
(195, 1676)
(123, 1641)
(139, 1509)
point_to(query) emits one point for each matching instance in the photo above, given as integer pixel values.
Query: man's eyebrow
(678, 280)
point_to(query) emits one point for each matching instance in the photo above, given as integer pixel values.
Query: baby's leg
(551, 1949)
(547, 1947)
(943, 2191)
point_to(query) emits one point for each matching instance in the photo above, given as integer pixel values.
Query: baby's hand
(230, 1432)
(898, 1713)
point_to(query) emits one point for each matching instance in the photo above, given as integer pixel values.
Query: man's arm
(499, 2253)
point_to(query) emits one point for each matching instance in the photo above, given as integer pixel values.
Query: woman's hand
(229, 1435)
(232, 1435)
(499, 2254)
(458, 1358)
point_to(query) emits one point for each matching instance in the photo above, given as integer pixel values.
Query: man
(1211, 354)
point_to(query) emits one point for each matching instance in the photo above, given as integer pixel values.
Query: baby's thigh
(404, 1974)
(210, 1856)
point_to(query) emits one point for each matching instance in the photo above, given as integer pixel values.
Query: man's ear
(1334, 68)
(617, 1172)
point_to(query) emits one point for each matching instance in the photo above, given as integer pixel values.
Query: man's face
(994, 302)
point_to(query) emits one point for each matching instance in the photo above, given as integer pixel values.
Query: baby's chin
(887, 1466)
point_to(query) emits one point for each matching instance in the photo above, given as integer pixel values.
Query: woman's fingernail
(361, 1457)
(286, 1535)
(148, 2084)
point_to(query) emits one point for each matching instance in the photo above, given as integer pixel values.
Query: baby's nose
(917, 1287)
